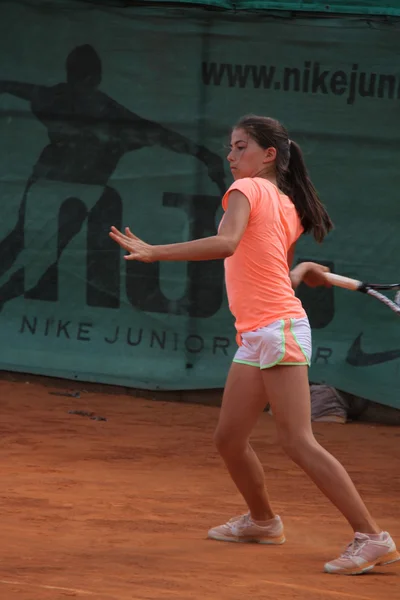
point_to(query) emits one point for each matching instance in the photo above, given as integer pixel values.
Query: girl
(270, 204)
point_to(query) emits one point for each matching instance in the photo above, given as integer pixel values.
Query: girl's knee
(222, 439)
(227, 443)
(298, 447)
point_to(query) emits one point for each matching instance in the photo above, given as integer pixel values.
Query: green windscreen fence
(373, 7)
(121, 115)
(358, 7)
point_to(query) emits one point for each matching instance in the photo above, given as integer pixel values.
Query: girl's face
(247, 158)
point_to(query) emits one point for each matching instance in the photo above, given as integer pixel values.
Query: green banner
(355, 7)
(122, 116)
(372, 7)
(364, 7)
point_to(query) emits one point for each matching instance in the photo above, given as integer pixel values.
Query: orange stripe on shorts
(293, 352)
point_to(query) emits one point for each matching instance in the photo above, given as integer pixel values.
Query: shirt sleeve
(248, 188)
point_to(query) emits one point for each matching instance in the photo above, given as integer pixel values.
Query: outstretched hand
(137, 248)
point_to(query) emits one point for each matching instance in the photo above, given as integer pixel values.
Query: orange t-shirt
(257, 274)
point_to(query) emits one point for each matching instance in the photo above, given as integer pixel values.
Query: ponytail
(313, 215)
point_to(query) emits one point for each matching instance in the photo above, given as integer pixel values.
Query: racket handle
(344, 282)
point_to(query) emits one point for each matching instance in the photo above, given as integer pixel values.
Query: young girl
(270, 204)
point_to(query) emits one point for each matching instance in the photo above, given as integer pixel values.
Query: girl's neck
(267, 174)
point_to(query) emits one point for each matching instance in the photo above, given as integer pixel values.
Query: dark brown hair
(291, 172)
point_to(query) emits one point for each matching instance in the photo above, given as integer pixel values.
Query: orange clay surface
(119, 509)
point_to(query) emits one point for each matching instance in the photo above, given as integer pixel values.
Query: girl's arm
(218, 246)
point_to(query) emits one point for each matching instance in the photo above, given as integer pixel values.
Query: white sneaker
(363, 554)
(244, 530)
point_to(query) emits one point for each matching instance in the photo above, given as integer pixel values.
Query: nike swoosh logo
(358, 358)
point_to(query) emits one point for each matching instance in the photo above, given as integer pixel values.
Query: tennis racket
(372, 289)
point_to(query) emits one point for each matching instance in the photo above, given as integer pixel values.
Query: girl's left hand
(137, 248)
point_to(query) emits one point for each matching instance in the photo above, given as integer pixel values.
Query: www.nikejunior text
(311, 78)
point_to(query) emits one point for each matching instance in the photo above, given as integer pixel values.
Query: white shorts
(284, 342)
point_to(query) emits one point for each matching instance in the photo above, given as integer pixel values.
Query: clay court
(119, 509)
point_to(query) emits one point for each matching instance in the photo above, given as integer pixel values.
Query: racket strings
(394, 305)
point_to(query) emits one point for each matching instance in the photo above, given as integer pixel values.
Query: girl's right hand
(312, 274)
